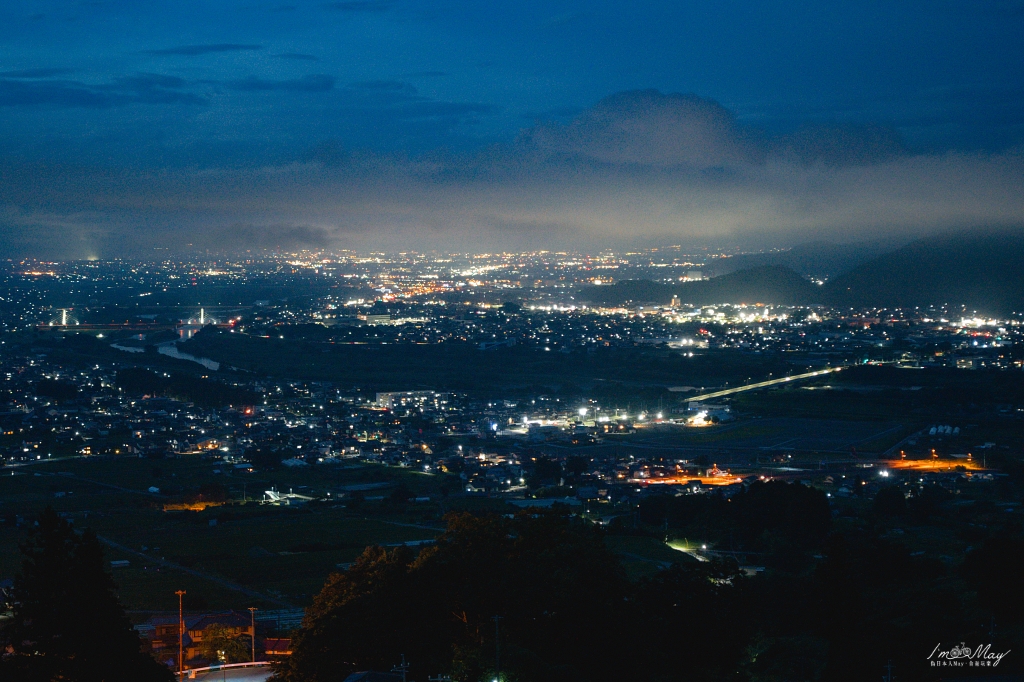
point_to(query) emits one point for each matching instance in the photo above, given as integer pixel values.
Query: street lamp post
(497, 648)
(181, 636)
(252, 613)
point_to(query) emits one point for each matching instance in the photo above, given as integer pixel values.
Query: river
(170, 349)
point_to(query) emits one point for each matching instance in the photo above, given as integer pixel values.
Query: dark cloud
(36, 73)
(554, 113)
(360, 5)
(982, 115)
(63, 94)
(426, 74)
(649, 128)
(391, 100)
(837, 116)
(637, 167)
(151, 81)
(329, 153)
(310, 83)
(296, 56)
(384, 86)
(196, 50)
(398, 95)
(843, 145)
(242, 236)
(436, 109)
(135, 89)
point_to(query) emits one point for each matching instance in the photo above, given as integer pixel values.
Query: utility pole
(181, 636)
(497, 648)
(887, 677)
(252, 613)
(403, 668)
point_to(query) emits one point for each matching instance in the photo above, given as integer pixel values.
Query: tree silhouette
(67, 623)
(889, 501)
(220, 643)
(559, 591)
(994, 571)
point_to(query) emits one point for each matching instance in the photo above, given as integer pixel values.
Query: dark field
(255, 555)
(815, 435)
(284, 553)
(750, 441)
(614, 372)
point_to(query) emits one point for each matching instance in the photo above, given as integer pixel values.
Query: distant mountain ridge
(982, 270)
(764, 284)
(818, 260)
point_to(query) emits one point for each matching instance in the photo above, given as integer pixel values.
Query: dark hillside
(817, 260)
(983, 271)
(767, 284)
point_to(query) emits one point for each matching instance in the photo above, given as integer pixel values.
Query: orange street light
(252, 613)
(181, 636)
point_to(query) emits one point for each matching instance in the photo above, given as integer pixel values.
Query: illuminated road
(235, 675)
(929, 465)
(764, 384)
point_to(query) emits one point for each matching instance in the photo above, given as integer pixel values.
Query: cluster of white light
(978, 322)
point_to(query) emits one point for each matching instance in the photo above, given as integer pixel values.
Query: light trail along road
(765, 384)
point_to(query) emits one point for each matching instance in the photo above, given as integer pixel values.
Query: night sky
(139, 129)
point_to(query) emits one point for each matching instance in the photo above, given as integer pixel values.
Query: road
(199, 574)
(132, 491)
(903, 442)
(234, 675)
(67, 474)
(764, 384)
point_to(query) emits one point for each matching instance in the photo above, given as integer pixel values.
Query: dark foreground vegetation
(66, 621)
(184, 387)
(839, 600)
(839, 595)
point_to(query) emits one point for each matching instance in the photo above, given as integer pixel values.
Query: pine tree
(68, 624)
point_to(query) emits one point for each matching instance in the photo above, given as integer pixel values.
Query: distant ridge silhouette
(982, 270)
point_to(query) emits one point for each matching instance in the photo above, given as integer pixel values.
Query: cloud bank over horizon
(455, 125)
(637, 168)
